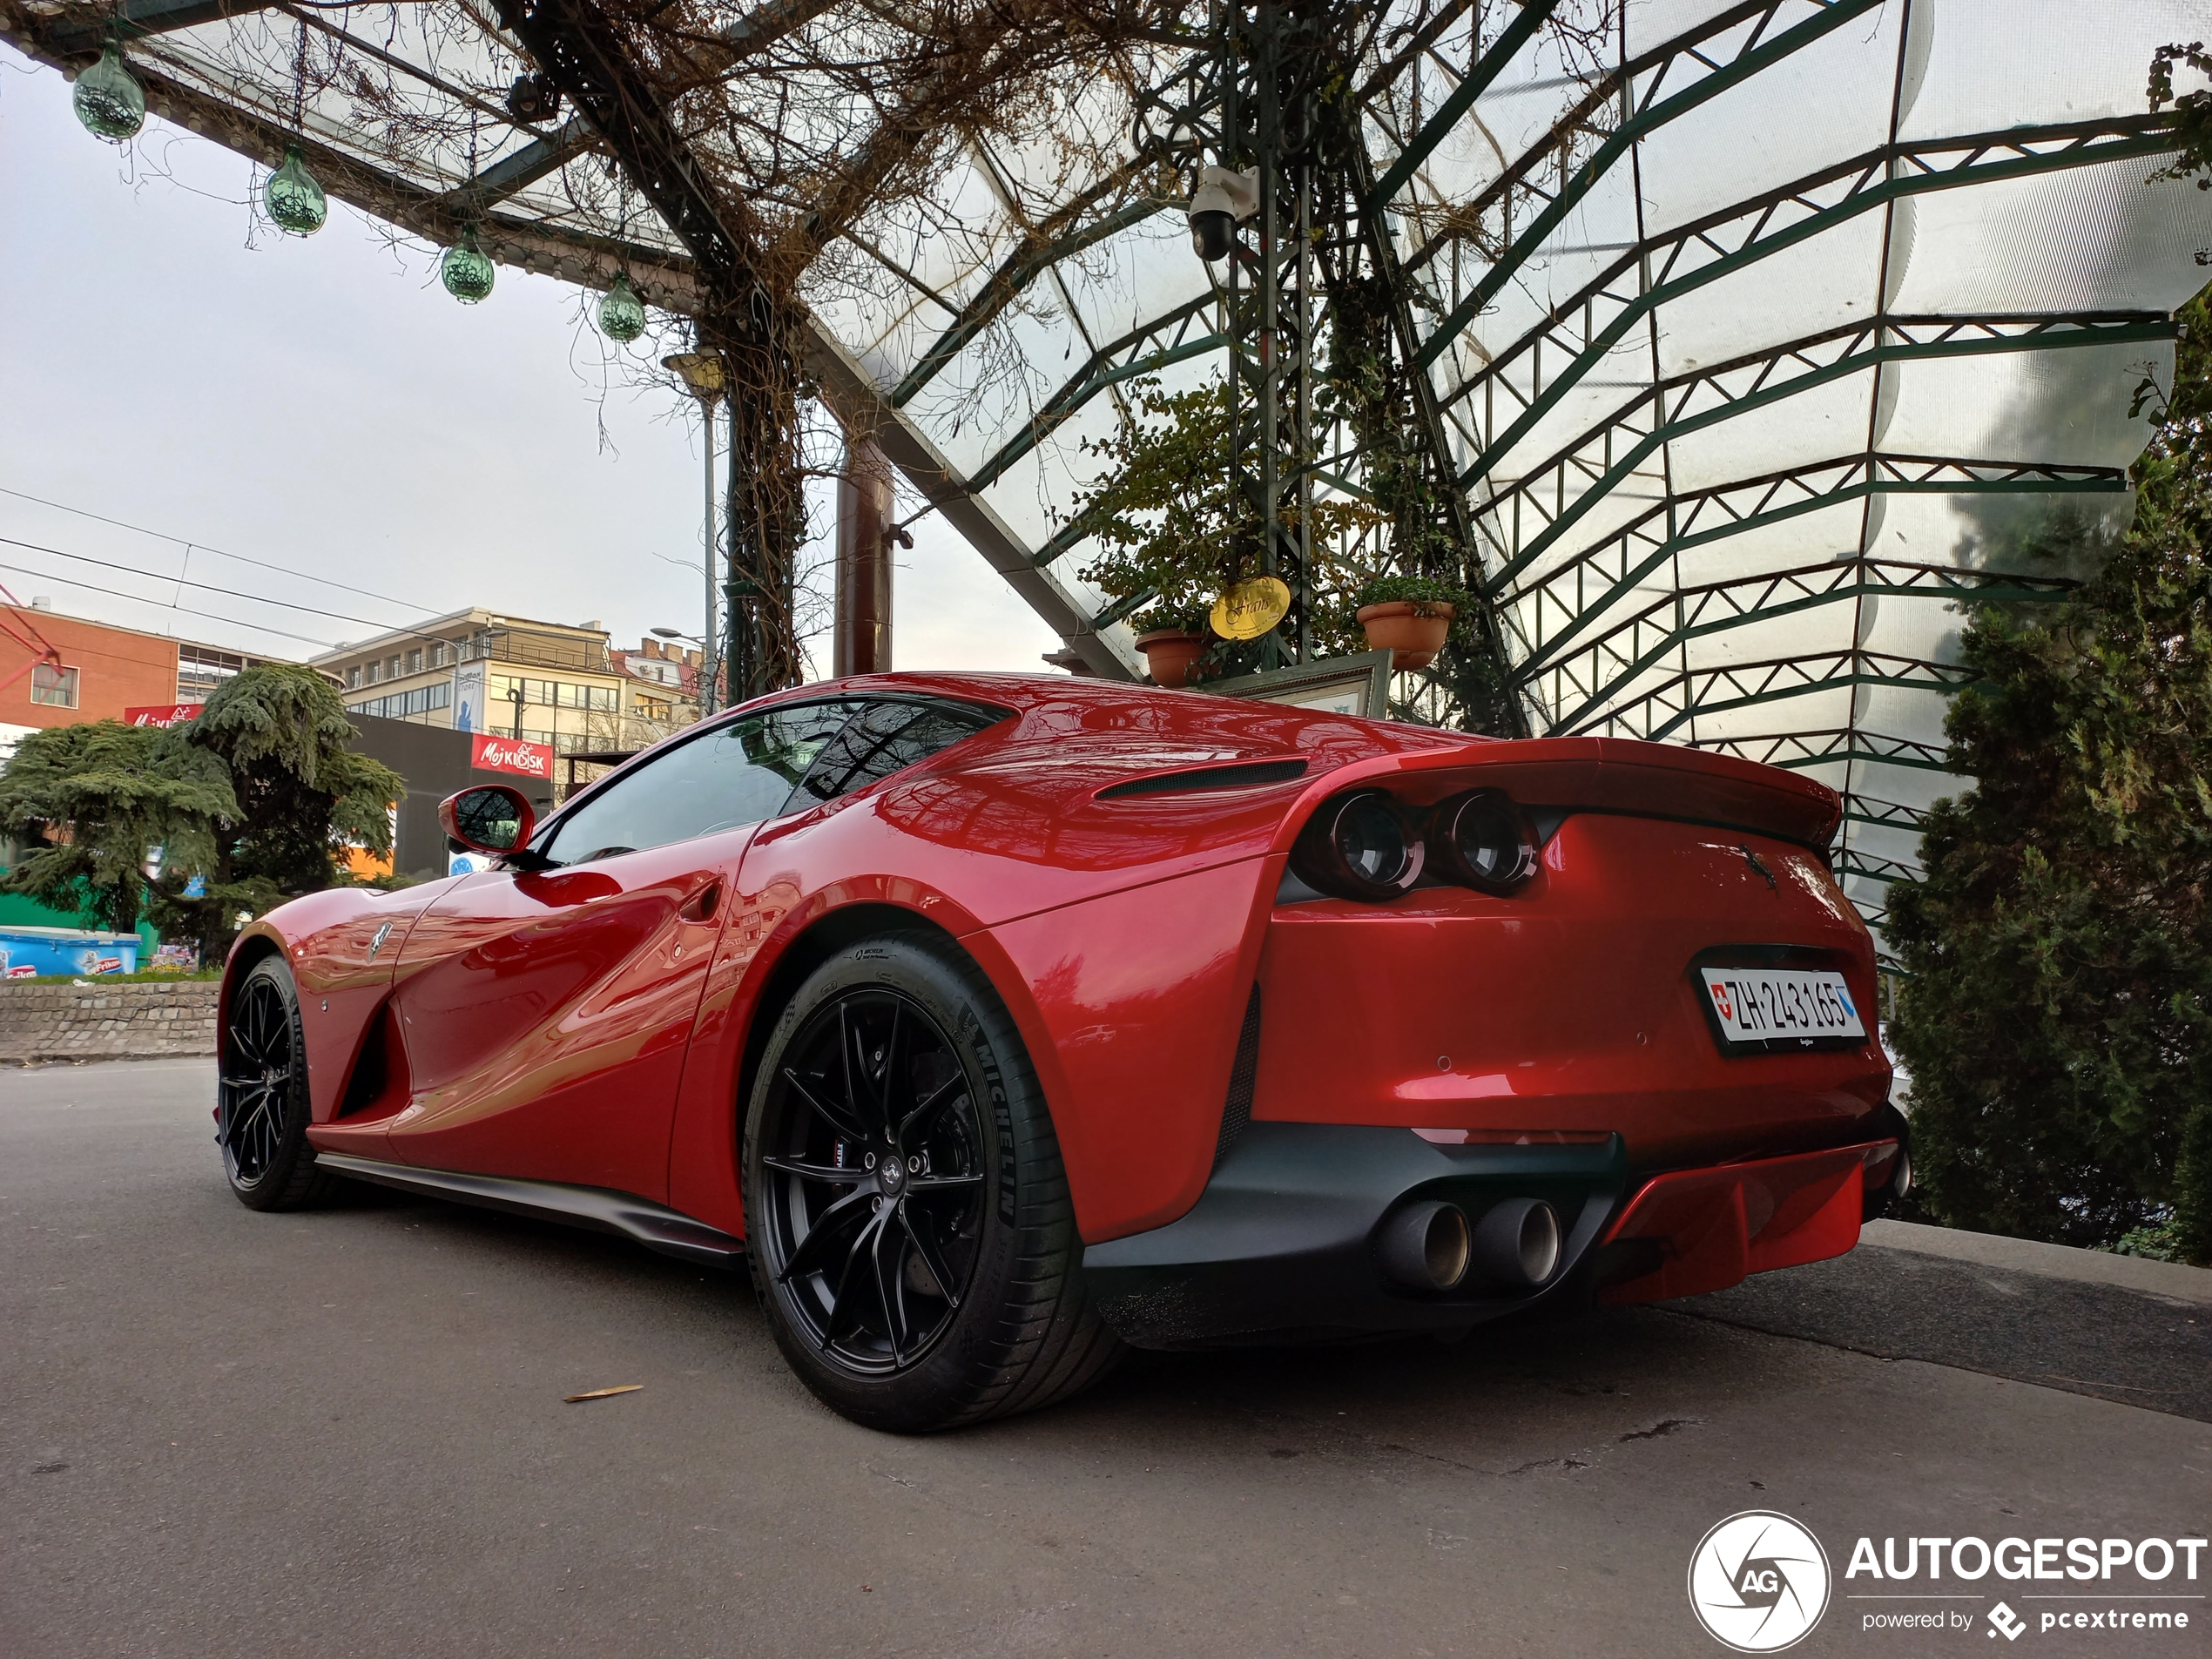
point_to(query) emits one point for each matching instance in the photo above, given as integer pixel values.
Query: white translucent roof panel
(1784, 572)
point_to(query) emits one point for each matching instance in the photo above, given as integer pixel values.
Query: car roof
(1169, 714)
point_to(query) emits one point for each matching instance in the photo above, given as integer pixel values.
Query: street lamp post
(702, 372)
(690, 639)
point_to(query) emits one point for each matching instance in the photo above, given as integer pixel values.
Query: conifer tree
(2057, 1017)
(85, 805)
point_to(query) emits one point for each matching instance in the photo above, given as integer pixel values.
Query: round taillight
(1482, 840)
(1358, 846)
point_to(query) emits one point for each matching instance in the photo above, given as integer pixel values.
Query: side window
(885, 738)
(725, 779)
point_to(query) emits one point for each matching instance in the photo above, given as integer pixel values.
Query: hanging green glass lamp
(108, 99)
(465, 271)
(622, 313)
(294, 199)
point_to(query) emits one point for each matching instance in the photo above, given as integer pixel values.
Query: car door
(544, 1013)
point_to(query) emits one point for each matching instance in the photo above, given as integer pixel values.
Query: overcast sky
(323, 406)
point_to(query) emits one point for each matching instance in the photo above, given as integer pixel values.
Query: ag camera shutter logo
(1758, 1581)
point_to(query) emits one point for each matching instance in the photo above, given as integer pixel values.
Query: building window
(414, 660)
(392, 666)
(370, 673)
(353, 678)
(54, 686)
(402, 705)
(438, 655)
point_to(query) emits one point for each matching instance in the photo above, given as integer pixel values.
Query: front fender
(341, 945)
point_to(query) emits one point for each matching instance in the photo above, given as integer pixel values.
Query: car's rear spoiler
(1608, 774)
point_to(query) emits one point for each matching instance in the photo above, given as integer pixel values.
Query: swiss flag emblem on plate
(488, 751)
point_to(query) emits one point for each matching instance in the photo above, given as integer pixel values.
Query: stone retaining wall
(118, 1021)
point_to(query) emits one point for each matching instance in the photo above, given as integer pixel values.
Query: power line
(202, 547)
(90, 587)
(208, 587)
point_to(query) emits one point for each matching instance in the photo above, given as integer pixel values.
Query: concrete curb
(35, 1062)
(2172, 1280)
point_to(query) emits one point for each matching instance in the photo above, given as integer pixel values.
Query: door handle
(700, 905)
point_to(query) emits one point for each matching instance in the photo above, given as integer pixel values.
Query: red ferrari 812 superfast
(994, 1023)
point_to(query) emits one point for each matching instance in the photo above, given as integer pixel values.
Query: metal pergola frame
(1592, 638)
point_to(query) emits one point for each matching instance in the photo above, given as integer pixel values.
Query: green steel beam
(1757, 399)
(1808, 489)
(1121, 608)
(1488, 629)
(1100, 371)
(1780, 679)
(1516, 33)
(1068, 402)
(1585, 117)
(1887, 870)
(1034, 255)
(1858, 347)
(1840, 745)
(1872, 180)
(1755, 57)
(1859, 809)
(1942, 582)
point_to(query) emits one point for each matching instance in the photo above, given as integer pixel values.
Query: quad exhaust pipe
(1431, 1245)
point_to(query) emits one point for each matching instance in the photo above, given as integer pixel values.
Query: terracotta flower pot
(1398, 628)
(1169, 652)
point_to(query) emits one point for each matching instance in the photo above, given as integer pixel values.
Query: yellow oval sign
(1251, 607)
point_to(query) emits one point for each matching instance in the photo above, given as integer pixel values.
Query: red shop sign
(163, 714)
(489, 751)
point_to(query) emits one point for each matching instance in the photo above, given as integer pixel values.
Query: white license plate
(1762, 1005)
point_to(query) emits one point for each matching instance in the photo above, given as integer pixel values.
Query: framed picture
(1356, 685)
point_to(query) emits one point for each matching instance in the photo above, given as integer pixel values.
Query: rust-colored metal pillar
(861, 635)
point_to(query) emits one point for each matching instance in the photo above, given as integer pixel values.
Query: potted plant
(1172, 639)
(1409, 616)
(1171, 530)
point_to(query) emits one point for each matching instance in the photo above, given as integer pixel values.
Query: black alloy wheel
(909, 1228)
(873, 1163)
(261, 1094)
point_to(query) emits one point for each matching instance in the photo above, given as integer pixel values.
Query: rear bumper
(1281, 1246)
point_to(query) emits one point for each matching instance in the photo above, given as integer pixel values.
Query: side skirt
(599, 1209)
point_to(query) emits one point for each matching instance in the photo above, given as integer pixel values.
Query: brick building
(102, 671)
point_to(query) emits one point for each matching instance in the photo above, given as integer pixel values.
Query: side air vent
(381, 1065)
(1251, 774)
(1236, 1113)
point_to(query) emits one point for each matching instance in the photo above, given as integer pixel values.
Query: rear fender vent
(1237, 1112)
(1251, 774)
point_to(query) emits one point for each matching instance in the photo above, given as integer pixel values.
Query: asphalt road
(342, 1434)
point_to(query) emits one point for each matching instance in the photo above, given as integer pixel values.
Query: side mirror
(488, 818)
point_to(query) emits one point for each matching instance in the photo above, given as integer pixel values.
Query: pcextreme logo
(1758, 1581)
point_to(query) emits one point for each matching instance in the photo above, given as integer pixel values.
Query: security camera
(1221, 200)
(534, 99)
